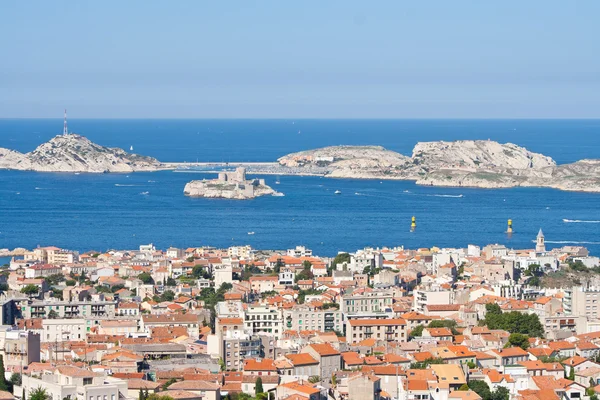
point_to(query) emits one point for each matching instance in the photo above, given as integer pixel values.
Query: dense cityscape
(240, 323)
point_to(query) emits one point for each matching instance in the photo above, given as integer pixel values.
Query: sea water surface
(105, 211)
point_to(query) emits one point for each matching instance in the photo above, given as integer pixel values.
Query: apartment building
(391, 330)
(304, 317)
(263, 319)
(41, 270)
(190, 321)
(580, 301)
(67, 382)
(431, 295)
(19, 348)
(68, 309)
(367, 302)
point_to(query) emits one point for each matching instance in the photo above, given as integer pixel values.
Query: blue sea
(109, 211)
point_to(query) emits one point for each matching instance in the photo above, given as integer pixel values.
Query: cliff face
(75, 153)
(467, 163)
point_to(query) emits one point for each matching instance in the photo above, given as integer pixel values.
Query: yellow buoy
(509, 229)
(413, 223)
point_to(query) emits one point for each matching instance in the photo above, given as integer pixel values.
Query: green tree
(426, 363)
(518, 340)
(571, 376)
(141, 395)
(156, 396)
(54, 279)
(3, 383)
(38, 394)
(513, 322)
(171, 282)
(501, 393)
(314, 379)
(258, 386)
(464, 387)
(146, 278)
(417, 331)
(52, 314)
(481, 388)
(30, 290)
(471, 365)
(198, 271)
(340, 259)
(167, 295)
(16, 379)
(169, 383)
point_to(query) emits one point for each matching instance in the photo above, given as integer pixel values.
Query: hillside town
(202, 323)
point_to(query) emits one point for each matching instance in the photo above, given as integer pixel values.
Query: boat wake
(457, 196)
(568, 242)
(579, 221)
(145, 193)
(122, 185)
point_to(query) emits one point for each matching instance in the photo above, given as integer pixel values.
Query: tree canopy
(513, 322)
(518, 340)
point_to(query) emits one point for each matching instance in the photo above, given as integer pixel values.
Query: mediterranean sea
(122, 211)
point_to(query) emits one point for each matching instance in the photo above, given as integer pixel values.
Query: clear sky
(285, 58)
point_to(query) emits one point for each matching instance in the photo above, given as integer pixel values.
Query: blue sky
(312, 59)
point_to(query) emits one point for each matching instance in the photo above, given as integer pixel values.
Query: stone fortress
(230, 185)
(238, 178)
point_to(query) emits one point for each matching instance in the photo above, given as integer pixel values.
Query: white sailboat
(131, 148)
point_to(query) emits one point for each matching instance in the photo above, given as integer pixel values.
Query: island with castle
(230, 185)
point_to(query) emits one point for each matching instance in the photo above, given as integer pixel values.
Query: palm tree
(38, 394)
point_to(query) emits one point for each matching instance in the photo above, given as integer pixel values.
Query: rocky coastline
(75, 153)
(466, 163)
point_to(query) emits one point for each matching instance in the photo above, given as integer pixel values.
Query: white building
(299, 251)
(74, 383)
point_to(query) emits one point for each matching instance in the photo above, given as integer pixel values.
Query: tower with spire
(540, 244)
(65, 129)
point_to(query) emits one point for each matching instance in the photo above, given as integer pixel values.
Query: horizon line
(321, 118)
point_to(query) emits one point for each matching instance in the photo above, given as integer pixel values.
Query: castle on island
(238, 178)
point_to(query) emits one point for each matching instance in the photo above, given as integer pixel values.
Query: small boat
(278, 194)
(337, 192)
(76, 173)
(250, 233)
(145, 193)
(277, 182)
(131, 148)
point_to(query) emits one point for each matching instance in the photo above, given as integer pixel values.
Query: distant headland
(465, 163)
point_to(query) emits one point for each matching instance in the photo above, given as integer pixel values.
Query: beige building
(367, 302)
(328, 357)
(391, 330)
(19, 348)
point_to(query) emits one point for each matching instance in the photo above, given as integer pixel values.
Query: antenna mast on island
(65, 130)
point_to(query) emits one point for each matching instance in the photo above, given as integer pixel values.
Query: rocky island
(70, 152)
(465, 163)
(230, 185)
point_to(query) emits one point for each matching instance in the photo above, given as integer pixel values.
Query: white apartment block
(263, 319)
